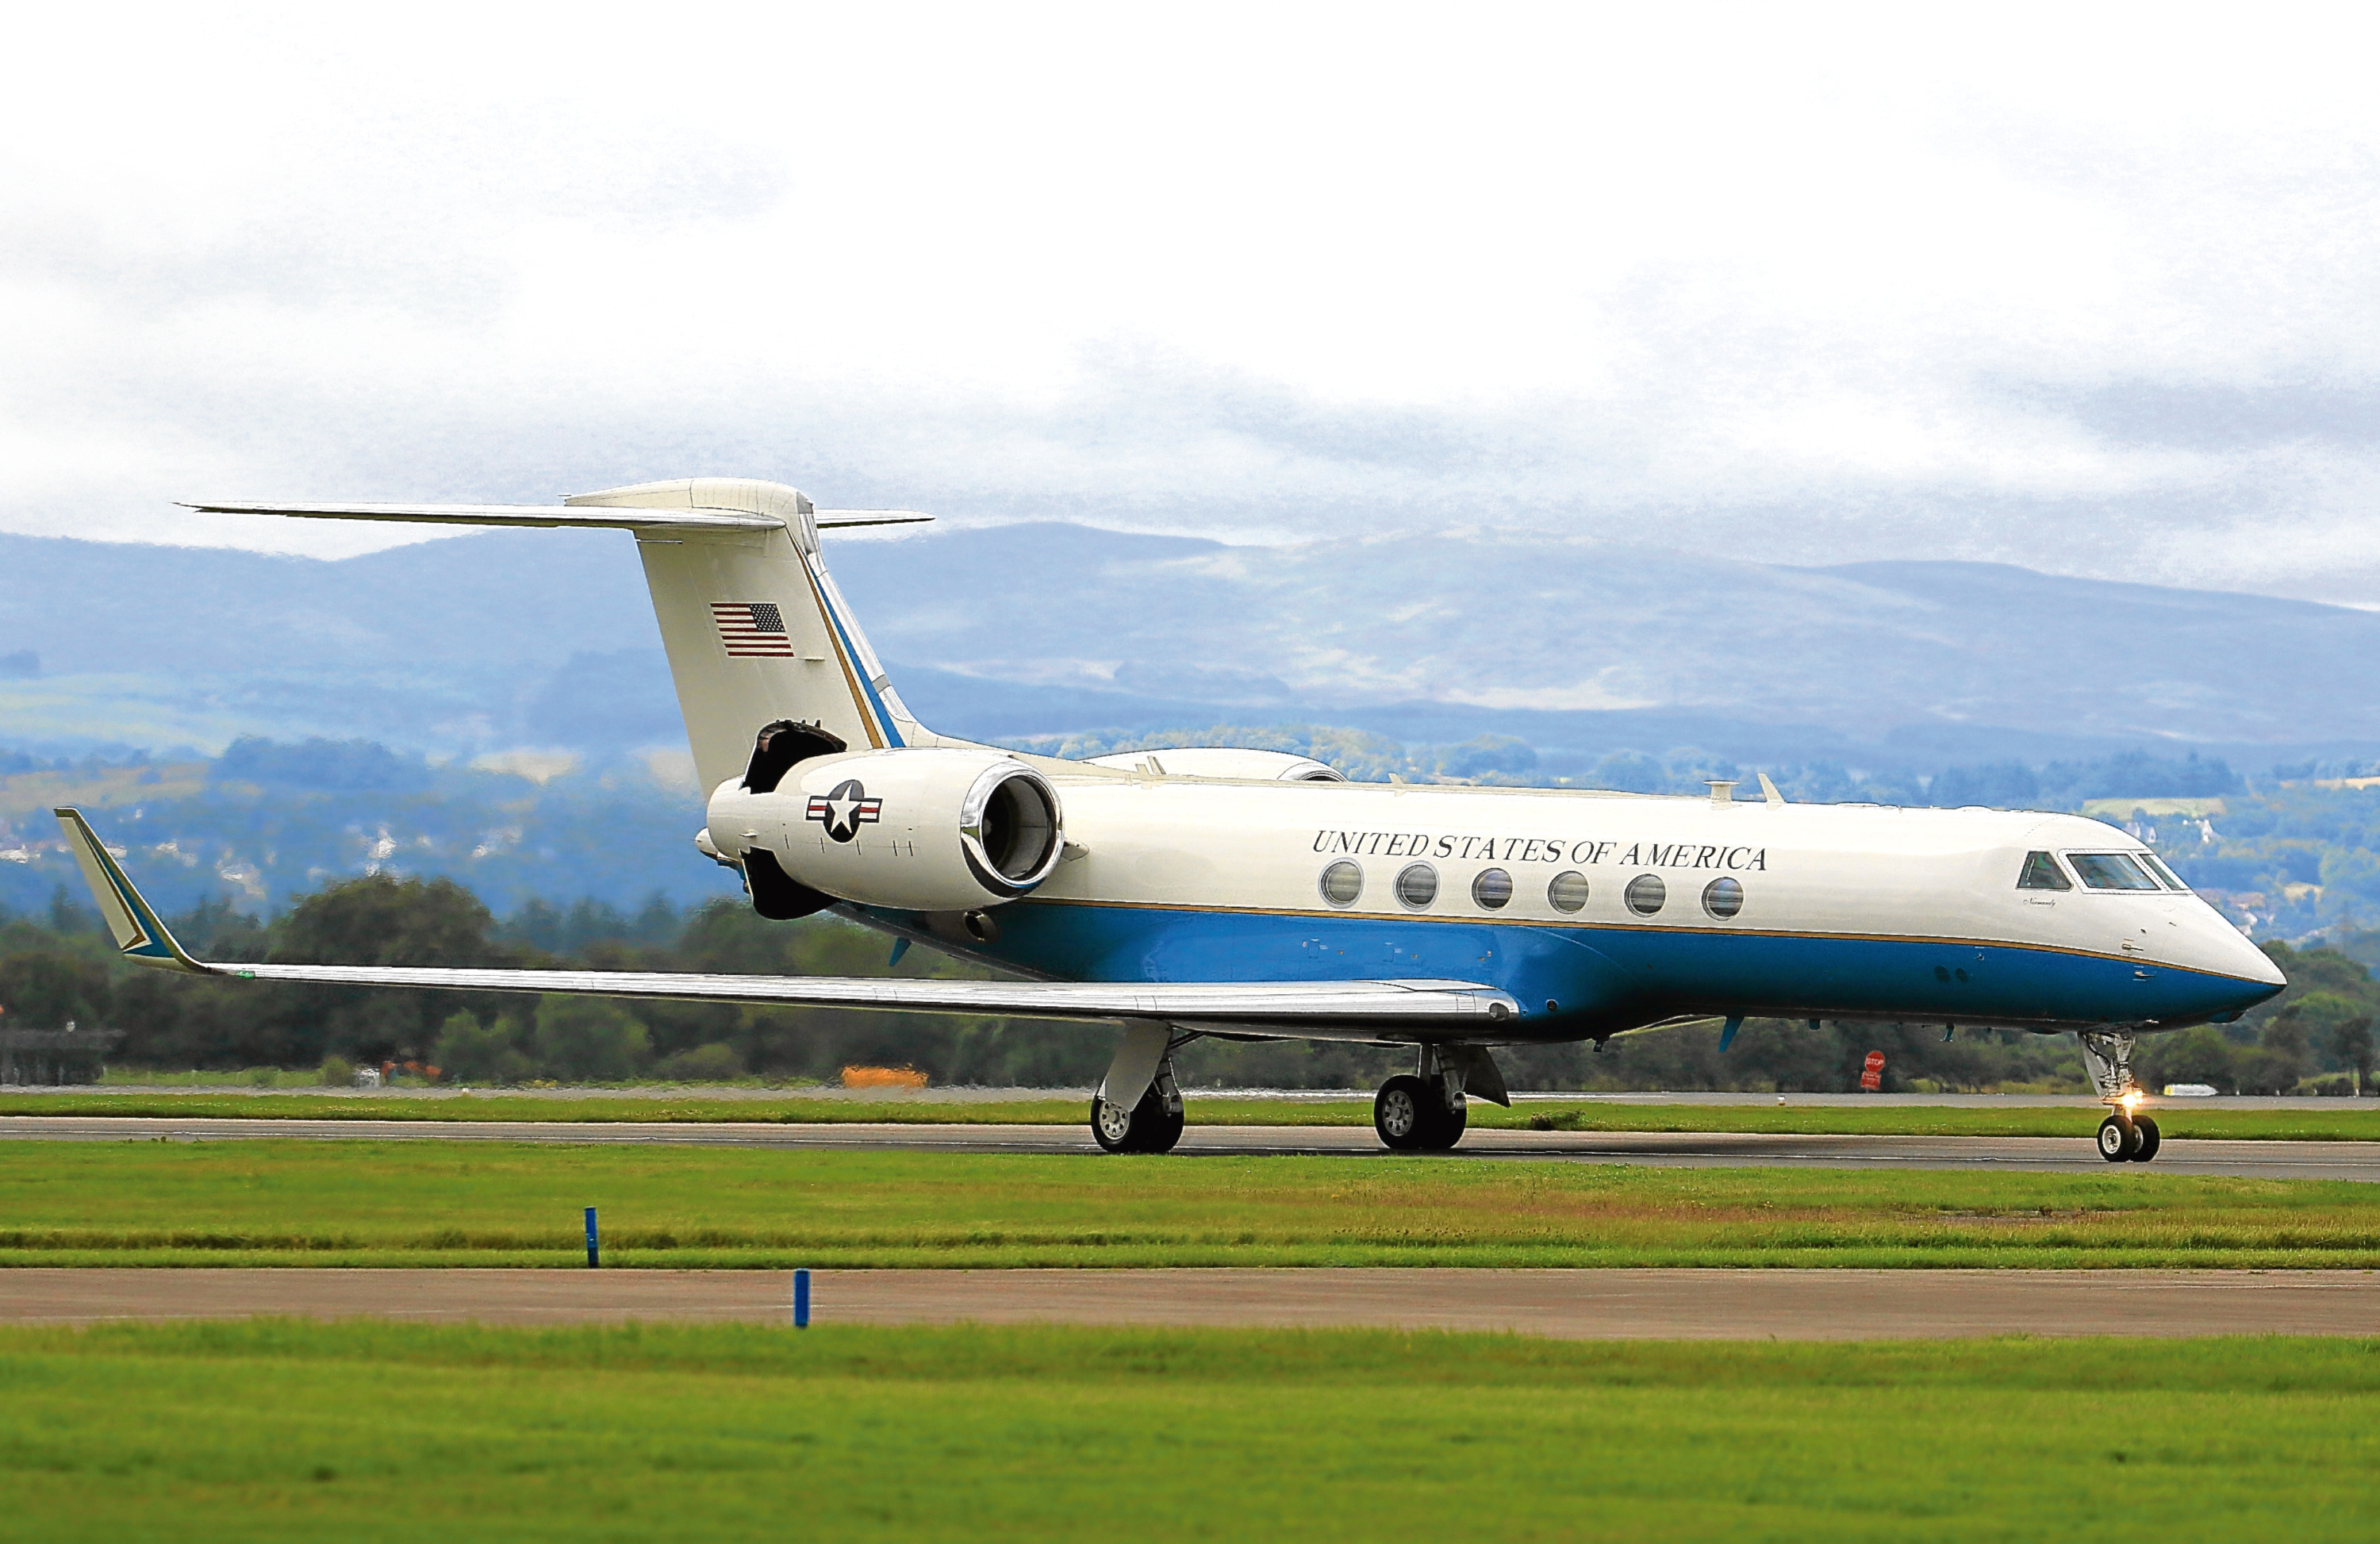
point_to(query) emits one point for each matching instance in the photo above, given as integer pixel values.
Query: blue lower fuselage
(1574, 982)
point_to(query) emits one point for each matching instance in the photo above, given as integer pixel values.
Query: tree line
(57, 965)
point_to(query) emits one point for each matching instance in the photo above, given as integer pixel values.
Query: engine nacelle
(914, 829)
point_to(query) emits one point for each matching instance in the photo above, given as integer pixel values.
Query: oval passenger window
(1342, 882)
(1417, 885)
(1568, 891)
(1723, 897)
(1646, 894)
(1492, 889)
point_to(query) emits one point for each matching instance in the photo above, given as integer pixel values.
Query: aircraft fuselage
(1615, 910)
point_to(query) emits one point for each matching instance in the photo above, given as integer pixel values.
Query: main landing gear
(1416, 1114)
(1153, 1122)
(1152, 1125)
(2126, 1136)
(1425, 1111)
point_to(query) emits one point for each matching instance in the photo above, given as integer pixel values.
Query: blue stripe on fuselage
(1596, 973)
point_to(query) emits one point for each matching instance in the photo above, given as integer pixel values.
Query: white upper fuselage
(1857, 869)
(1844, 909)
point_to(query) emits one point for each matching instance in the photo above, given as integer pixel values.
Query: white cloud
(2054, 289)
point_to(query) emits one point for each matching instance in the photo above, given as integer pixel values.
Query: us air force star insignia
(844, 811)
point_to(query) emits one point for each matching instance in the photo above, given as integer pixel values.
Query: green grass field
(263, 1202)
(2320, 1120)
(266, 1430)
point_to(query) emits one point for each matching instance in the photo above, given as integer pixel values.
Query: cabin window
(1417, 885)
(2042, 872)
(2111, 872)
(1646, 894)
(1723, 897)
(2157, 867)
(1492, 889)
(1342, 882)
(1568, 891)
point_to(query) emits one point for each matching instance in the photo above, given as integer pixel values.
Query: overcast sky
(2094, 296)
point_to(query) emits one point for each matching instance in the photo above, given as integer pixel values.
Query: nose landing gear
(2129, 1139)
(2125, 1136)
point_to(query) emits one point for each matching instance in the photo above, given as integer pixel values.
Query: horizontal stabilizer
(844, 519)
(508, 515)
(1394, 1006)
(550, 514)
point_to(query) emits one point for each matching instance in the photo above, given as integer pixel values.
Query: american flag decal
(752, 628)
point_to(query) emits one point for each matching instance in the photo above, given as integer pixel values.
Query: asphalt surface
(2347, 1160)
(963, 1094)
(1626, 1304)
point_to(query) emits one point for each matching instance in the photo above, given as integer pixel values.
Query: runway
(2342, 1160)
(1578, 1304)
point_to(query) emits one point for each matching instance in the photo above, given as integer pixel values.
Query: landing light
(2132, 1100)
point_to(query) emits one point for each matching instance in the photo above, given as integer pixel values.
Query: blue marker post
(801, 1299)
(594, 1259)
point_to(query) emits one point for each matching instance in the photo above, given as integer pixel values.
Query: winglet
(139, 934)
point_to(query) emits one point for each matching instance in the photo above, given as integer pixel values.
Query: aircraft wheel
(1401, 1113)
(1111, 1127)
(2147, 1125)
(2119, 1139)
(1148, 1127)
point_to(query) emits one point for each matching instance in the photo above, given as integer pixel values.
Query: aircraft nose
(2259, 978)
(2262, 968)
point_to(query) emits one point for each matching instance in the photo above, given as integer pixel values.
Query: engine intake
(1009, 828)
(921, 829)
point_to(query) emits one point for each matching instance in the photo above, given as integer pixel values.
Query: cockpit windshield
(2041, 872)
(2112, 871)
(2157, 867)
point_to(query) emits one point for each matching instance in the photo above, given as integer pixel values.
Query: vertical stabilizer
(754, 628)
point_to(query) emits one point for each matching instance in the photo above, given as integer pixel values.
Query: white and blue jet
(1244, 894)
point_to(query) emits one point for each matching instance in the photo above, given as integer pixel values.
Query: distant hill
(495, 641)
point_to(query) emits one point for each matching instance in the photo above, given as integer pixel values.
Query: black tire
(1400, 1114)
(1150, 1129)
(2119, 1139)
(1447, 1125)
(1163, 1126)
(2150, 1141)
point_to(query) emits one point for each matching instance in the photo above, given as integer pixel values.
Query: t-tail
(754, 628)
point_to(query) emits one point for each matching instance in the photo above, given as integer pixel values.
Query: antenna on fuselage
(1769, 790)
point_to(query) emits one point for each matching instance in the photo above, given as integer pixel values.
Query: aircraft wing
(1278, 1007)
(547, 514)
